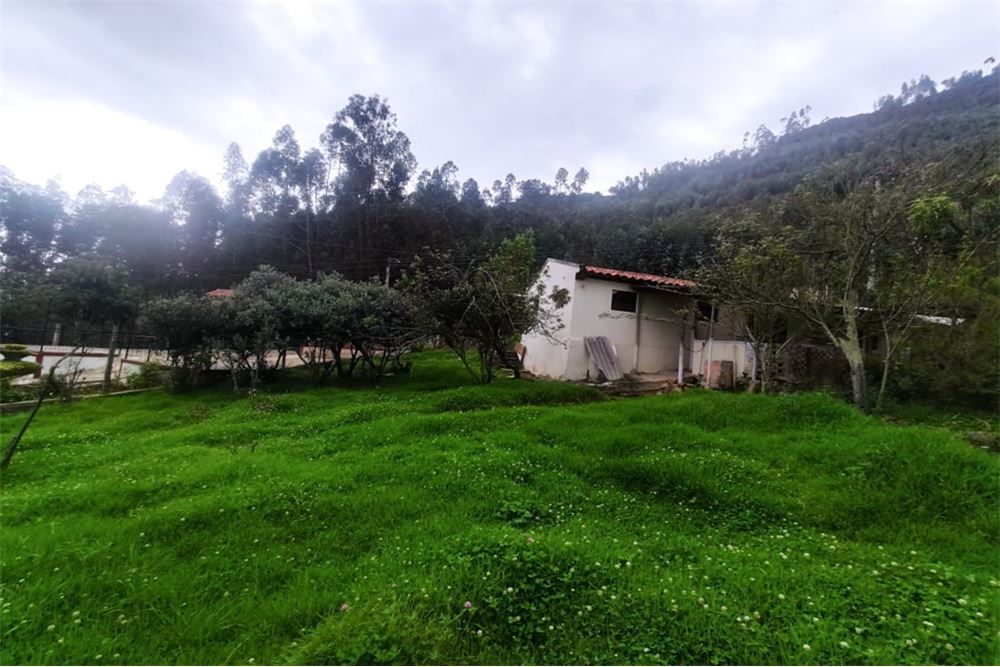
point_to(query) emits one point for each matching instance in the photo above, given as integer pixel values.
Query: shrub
(14, 351)
(183, 326)
(149, 375)
(16, 369)
(10, 394)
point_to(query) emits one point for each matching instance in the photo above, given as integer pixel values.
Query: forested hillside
(357, 205)
(850, 232)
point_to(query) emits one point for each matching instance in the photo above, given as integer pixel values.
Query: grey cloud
(495, 88)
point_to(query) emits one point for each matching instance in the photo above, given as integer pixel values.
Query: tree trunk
(850, 345)
(851, 348)
(765, 369)
(109, 364)
(886, 360)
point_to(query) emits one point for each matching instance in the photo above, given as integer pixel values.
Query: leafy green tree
(254, 324)
(236, 174)
(479, 310)
(956, 364)
(95, 292)
(184, 327)
(92, 291)
(472, 197)
(742, 270)
(317, 325)
(311, 179)
(198, 211)
(380, 326)
(560, 184)
(30, 221)
(375, 157)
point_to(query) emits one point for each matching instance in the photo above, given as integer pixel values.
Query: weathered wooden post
(109, 364)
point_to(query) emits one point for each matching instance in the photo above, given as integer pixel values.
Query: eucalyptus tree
(31, 220)
(198, 212)
(372, 160)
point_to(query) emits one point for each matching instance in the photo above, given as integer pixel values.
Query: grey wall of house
(659, 323)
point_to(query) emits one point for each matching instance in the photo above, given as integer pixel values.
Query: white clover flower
(806, 647)
(844, 644)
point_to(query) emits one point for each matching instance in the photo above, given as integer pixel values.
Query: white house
(647, 324)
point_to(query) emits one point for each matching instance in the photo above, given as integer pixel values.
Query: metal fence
(57, 335)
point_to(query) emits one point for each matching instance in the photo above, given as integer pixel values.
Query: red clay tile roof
(220, 292)
(640, 277)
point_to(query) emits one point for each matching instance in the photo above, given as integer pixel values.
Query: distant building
(639, 322)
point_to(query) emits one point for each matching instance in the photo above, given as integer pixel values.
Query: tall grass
(351, 524)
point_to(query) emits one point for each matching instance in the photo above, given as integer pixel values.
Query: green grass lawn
(354, 524)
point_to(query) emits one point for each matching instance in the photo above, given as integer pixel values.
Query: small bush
(15, 369)
(10, 394)
(149, 375)
(13, 351)
(184, 379)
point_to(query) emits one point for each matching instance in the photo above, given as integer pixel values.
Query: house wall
(726, 345)
(661, 315)
(737, 351)
(647, 341)
(728, 324)
(593, 316)
(547, 356)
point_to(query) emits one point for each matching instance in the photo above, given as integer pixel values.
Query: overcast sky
(134, 92)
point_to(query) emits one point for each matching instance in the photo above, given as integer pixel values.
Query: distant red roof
(600, 272)
(220, 292)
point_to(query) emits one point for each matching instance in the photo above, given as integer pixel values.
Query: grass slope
(353, 524)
